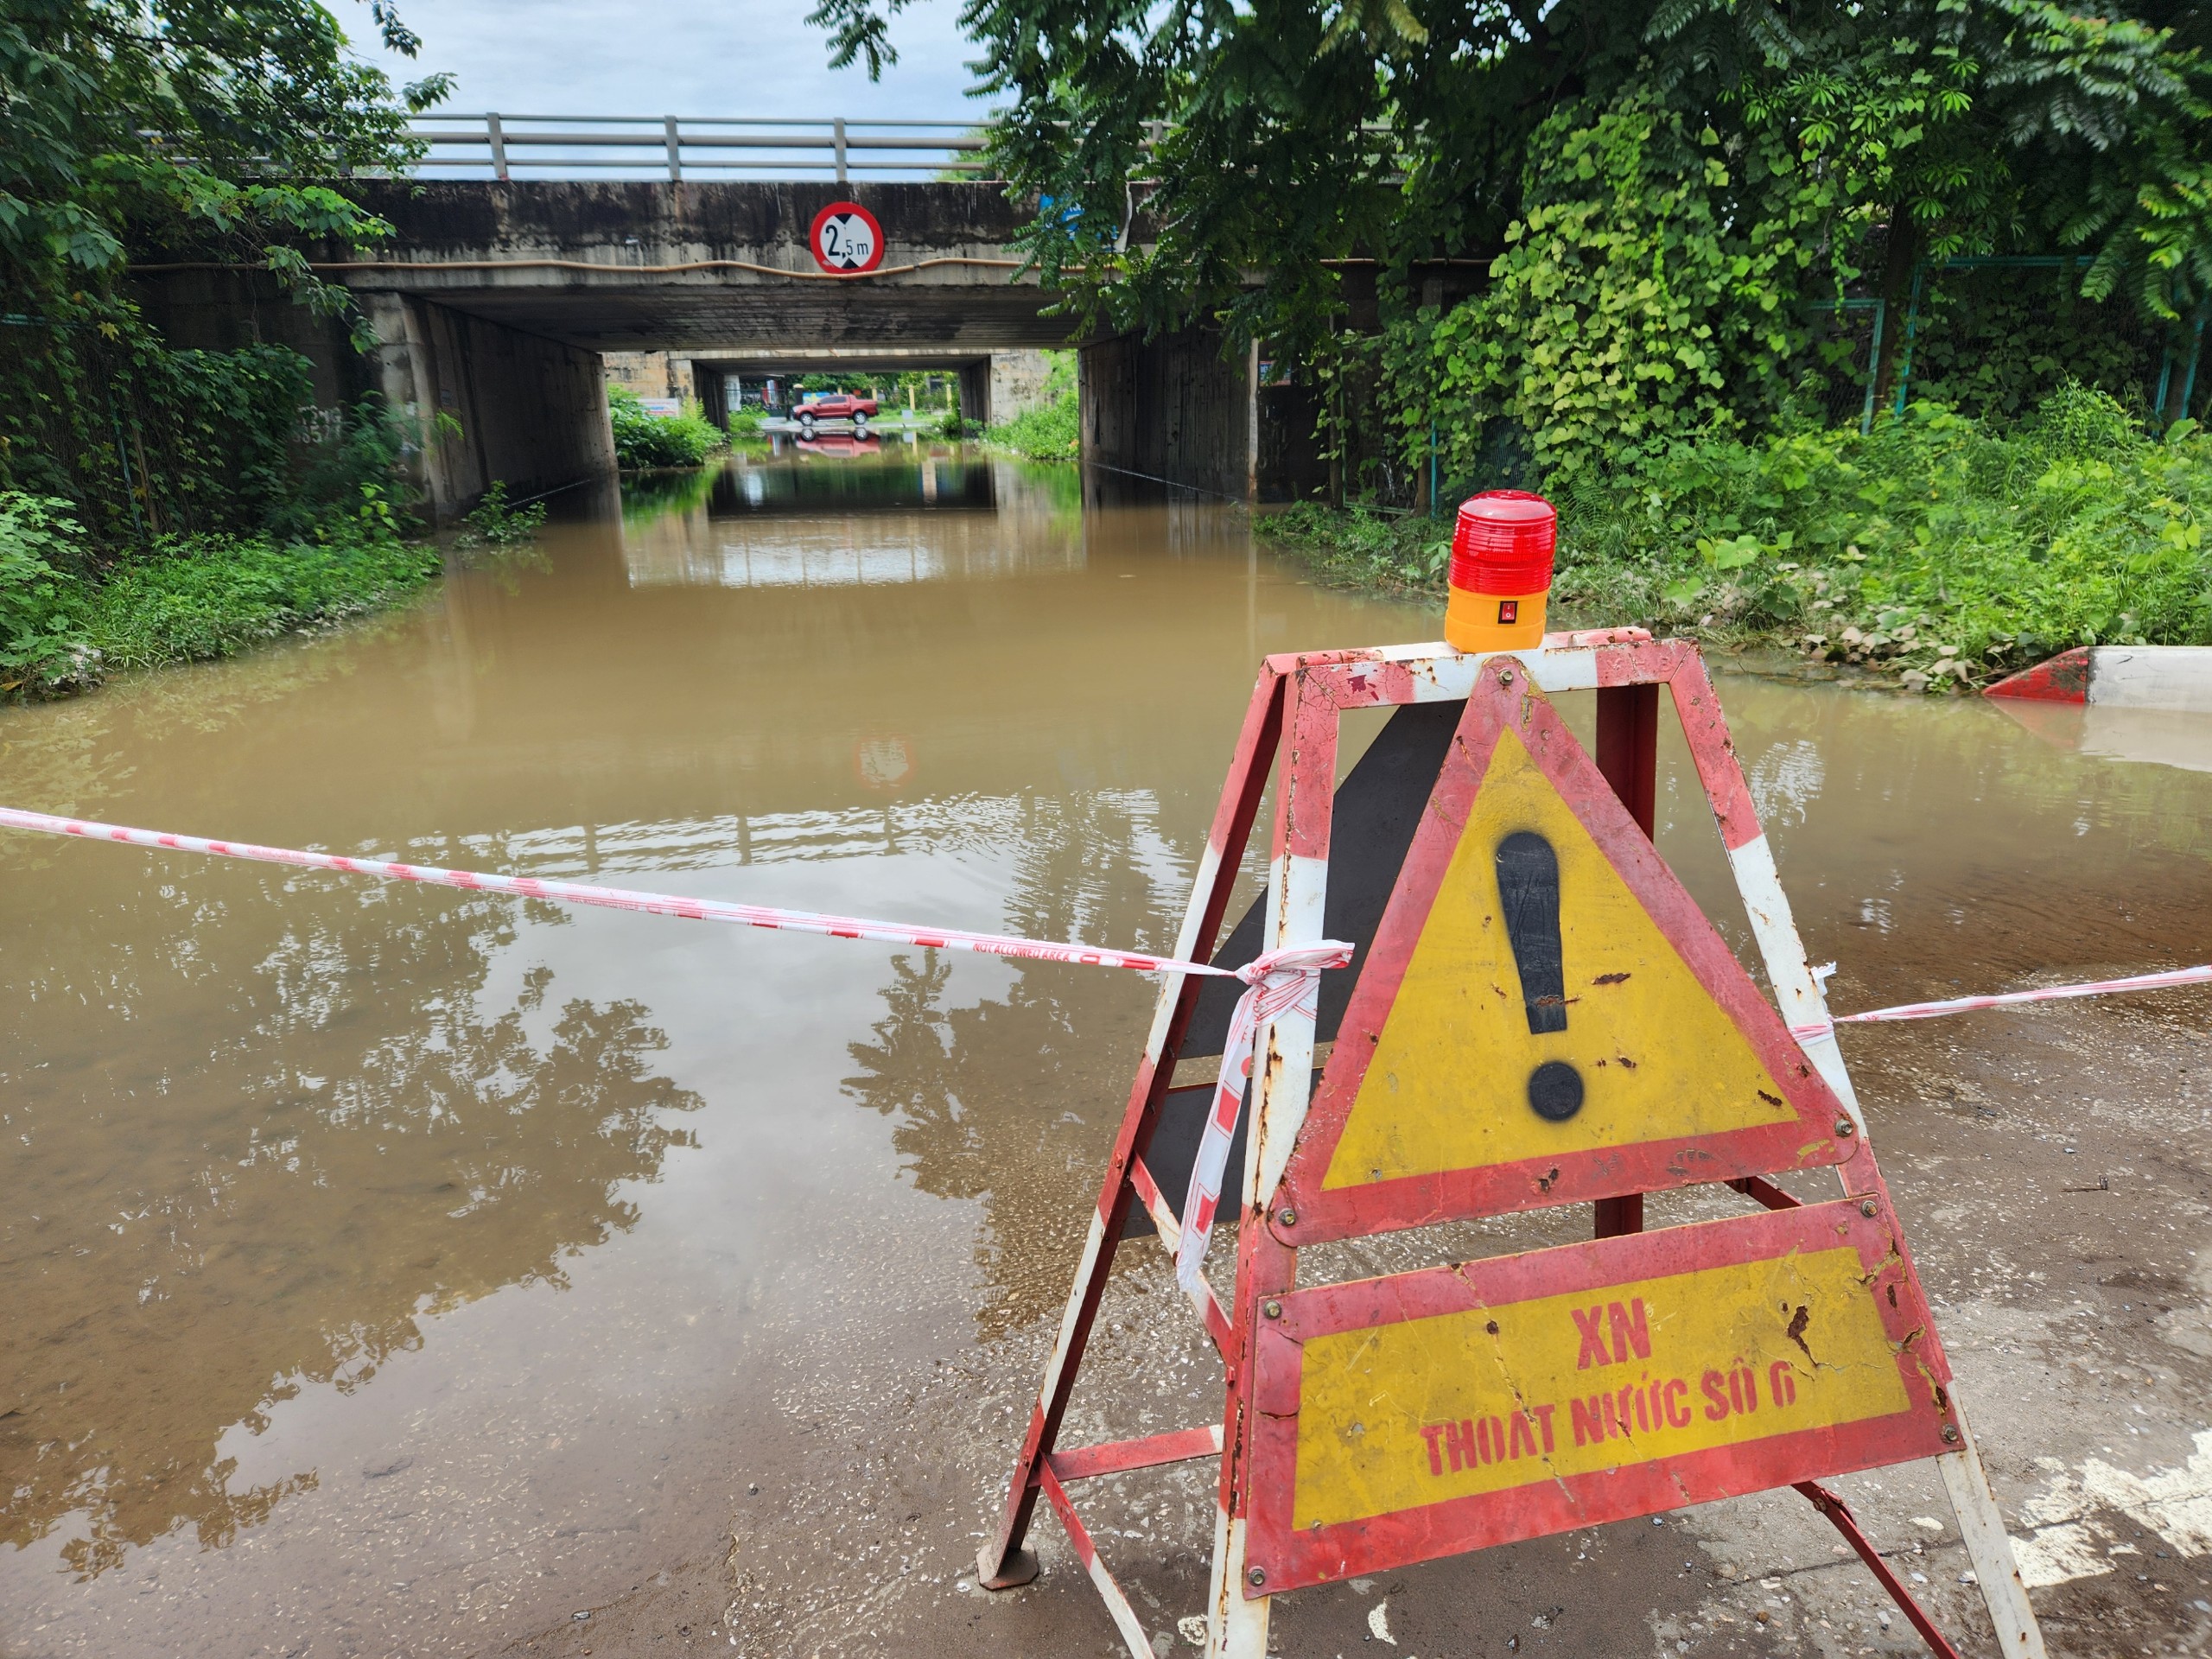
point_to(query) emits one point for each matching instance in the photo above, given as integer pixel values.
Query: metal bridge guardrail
(553, 146)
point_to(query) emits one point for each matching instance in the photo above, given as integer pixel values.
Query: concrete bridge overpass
(493, 300)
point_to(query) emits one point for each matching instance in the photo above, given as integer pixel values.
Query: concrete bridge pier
(491, 403)
(1181, 410)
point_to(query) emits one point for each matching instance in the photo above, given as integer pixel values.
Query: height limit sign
(845, 240)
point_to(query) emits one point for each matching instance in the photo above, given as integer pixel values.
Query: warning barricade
(1539, 1015)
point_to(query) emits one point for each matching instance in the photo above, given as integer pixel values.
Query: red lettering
(1497, 1454)
(1782, 1383)
(1523, 1441)
(1711, 1383)
(1482, 1443)
(1459, 1445)
(1736, 1388)
(1674, 1397)
(1643, 1409)
(1591, 1325)
(1583, 1414)
(1750, 1389)
(1433, 1433)
(1630, 1331)
(1544, 1423)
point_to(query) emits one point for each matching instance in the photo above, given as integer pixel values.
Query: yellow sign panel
(1401, 1416)
(1542, 1010)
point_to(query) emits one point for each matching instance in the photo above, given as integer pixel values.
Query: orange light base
(1474, 622)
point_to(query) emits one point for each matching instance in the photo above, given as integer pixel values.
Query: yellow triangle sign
(1545, 1014)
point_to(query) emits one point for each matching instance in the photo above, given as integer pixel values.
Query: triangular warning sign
(1545, 1015)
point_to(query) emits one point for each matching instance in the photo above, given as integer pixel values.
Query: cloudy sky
(673, 57)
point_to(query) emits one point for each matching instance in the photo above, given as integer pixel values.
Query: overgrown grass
(1936, 547)
(66, 621)
(199, 601)
(1052, 430)
(500, 523)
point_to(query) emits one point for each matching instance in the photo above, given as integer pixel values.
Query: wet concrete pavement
(406, 1272)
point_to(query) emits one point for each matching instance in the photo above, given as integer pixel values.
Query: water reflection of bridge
(911, 513)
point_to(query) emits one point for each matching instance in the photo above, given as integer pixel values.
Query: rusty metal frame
(1291, 726)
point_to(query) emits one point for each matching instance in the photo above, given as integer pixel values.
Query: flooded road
(401, 1271)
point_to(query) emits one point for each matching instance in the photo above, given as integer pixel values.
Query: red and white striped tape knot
(1275, 983)
(1294, 961)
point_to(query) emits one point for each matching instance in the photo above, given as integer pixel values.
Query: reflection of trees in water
(276, 1121)
(979, 1092)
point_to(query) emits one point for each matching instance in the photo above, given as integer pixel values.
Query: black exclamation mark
(1527, 888)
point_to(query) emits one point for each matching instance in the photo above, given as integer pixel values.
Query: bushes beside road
(1050, 431)
(642, 439)
(335, 538)
(1941, 548)
(66, 621)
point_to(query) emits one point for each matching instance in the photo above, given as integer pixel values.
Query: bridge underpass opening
(493, 302)
(986, 387)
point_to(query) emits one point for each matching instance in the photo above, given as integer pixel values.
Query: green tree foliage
(131, 123)
(1640, 293)
(1261, 162)
(151, 129)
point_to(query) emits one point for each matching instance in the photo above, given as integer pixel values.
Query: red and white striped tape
(1279, 980)
(2198, 976)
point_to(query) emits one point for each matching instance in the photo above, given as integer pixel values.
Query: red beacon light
(1502, 554)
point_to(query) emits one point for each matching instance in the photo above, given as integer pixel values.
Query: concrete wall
(652, 374)
(1018, 382)
(697, 266)
(531, 412)
(1173, 409)
(976, 393)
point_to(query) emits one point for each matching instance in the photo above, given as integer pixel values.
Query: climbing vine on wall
(1642, 298)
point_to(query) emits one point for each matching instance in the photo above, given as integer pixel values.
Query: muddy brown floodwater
(391, 1271)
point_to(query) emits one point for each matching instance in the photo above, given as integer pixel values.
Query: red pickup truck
(819, 406)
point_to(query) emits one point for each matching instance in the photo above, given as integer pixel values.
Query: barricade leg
(1236, 1620)
(1840, 1512)
(1981, 1526)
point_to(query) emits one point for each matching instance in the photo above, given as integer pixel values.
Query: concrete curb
(2128, 677)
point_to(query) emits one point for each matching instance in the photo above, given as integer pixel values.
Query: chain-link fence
(1991, 338)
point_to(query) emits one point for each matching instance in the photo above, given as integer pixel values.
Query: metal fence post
(839, 124)
(499, 140)
(675, 150)
(1911, 328)
(2188, 377)
(1873, 363)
